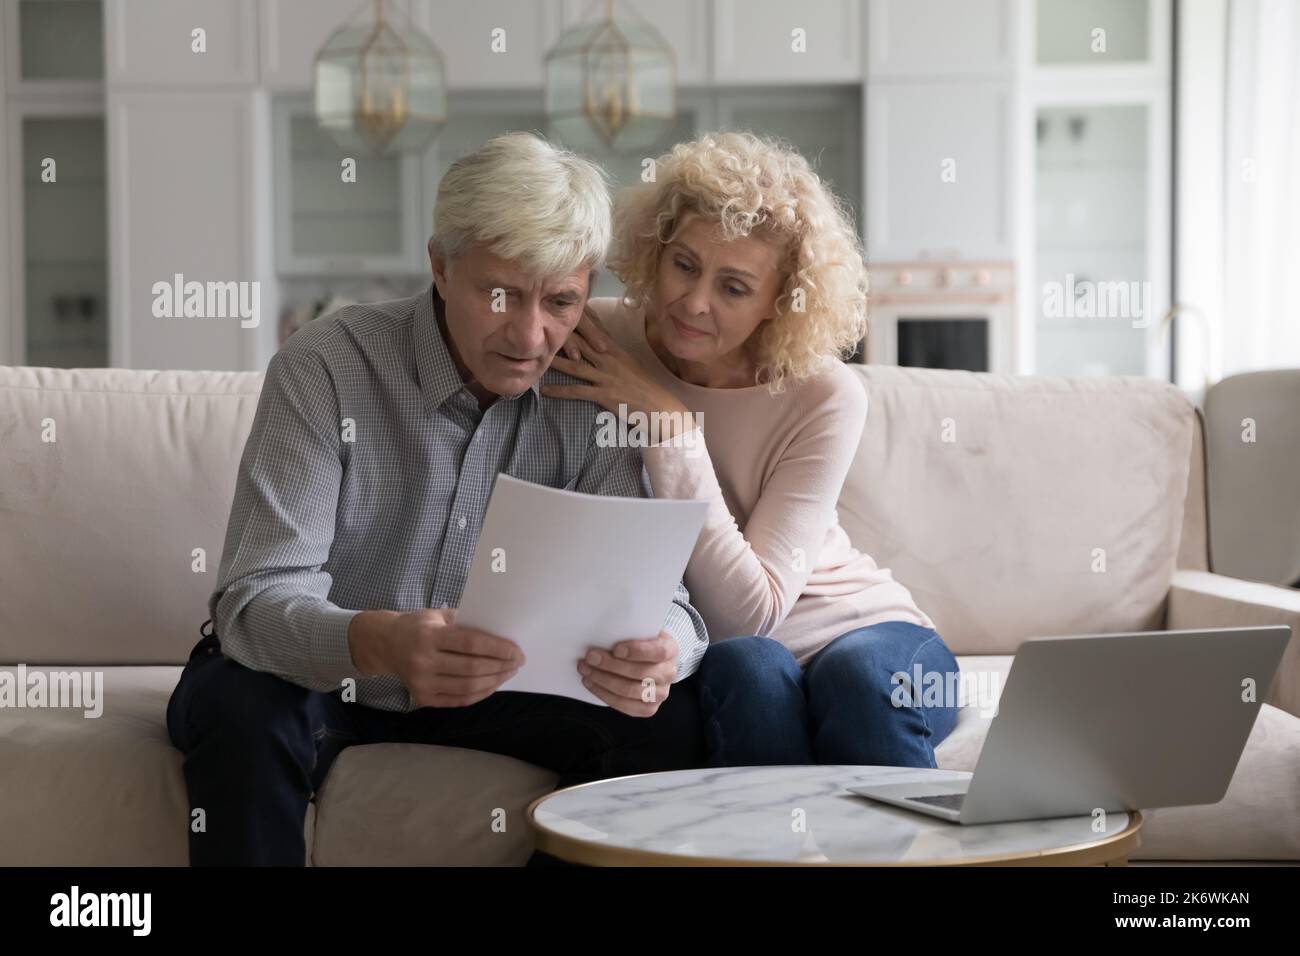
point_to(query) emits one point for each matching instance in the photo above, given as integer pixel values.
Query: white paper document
(560, 572)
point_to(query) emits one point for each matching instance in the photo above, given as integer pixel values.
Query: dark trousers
(257, 746)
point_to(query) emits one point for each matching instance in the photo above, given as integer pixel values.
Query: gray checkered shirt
(322, 527)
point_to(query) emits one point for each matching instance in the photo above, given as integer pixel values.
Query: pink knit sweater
(772, 558)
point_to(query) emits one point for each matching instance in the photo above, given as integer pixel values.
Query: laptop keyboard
(949, 801)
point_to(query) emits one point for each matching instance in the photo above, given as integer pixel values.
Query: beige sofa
(1011, 507)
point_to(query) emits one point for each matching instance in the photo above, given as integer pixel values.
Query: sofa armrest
(1203, 599)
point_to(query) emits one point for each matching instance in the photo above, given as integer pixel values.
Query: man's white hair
(527, 201)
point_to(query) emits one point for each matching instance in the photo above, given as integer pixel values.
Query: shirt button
(478, 436)
(461, 524)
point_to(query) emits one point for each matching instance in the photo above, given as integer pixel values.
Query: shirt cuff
(687, 628)
(331, 658)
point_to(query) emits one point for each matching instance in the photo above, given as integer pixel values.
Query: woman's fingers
(582, 370)
(593, 331)
(572, 347)
(582, 393)
(577, 348)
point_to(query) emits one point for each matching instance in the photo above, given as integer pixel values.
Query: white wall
(1199, 154)
(9, 329)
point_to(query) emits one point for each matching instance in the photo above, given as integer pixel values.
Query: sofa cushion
(101, 791)
(421, 805)
(109, 790)
(1021, 507)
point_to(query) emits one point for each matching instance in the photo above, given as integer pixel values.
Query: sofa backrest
(99, 527)
(993, 531)
(1015, 507)
(1254, 440)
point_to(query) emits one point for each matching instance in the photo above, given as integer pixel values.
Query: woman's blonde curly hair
(747, 184)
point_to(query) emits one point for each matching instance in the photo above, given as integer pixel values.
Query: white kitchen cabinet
(480, 58)
(940, 169)
(151, 42)
(186, 196)
(292, 31)
(754, 41)
(685, 25)
(939, 38)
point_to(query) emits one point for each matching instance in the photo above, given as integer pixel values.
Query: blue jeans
(849, 705)
(257, 747)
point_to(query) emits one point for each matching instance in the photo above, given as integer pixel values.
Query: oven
(954, 315)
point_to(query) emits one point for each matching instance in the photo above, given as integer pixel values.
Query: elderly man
(360, 496)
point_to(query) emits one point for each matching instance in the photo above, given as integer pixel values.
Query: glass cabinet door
(1091, 240)
(1091, 32)
(60, 40)
(65, 280)
(1098, 242)
(327, 223)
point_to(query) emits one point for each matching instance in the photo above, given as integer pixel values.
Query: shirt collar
(438, 377)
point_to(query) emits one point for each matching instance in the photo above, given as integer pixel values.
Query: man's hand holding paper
(599, 602)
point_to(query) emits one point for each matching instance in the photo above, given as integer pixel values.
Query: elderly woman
(745, 284)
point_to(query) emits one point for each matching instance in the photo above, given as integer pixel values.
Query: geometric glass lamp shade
(380, 83)
(611, 81)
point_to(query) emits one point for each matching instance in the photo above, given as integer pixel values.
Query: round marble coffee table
(798, 816)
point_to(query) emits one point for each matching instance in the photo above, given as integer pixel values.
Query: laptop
(1110, 721)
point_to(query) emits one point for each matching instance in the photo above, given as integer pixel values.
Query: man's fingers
(620, 686)
(645, 689)
(652, 649)
(470, 665)
(637, 670)
(461, 691)
(467, 640)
